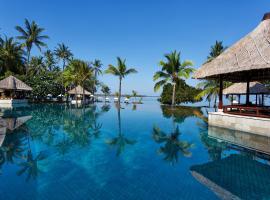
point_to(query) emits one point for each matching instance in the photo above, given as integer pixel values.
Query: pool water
(145, 151)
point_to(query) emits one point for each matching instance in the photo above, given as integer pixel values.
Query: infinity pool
(137, 152)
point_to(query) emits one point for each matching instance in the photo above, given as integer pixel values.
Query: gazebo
(77, 94)
(13, 92)
(246, 61)
(255, 88)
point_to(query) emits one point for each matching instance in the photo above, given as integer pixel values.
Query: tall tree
(11, 56)
(215, 51)
(36, 66)
(172, 70)
(32, 34)
(97, 71)
(121, 71)
(105, 90)
(50, 61)
(210, 88)
(77, 73)
(134, 94)
(63, 53)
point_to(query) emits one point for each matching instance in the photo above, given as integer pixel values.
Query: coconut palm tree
(31, 35)
(121, 71)
(210, 88)
(11, 56)
(77, 73)
(105, 90)
(63, 53)
(96, 67)
(49, 60)
(36, 66)
(215, 51)
(134, 94)
(172, 70)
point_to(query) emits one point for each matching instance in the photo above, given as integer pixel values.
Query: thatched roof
(249, 57)
(12, 83)
(241, 88)
(79, 91)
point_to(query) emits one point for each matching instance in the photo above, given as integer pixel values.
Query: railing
(253, 111)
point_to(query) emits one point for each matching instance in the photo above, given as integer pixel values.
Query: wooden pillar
(220, 103)
(247, 93)
(239, 98)
(256, 99)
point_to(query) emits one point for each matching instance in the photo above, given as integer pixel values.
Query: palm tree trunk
(76, 96)
(28, 61)
(119, 120)
(173, 94)
(120, 85)
(215, 103)
(94, 88)
(83, 96)
(64, 63)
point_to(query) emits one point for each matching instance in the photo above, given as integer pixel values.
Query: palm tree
(78, 72)
(105, 90)
(49, 60)
(36, 66)
(172, 70)
(216, 50)
(63, 52)
(210, 88)
(11, 56)
(96, 67)
(121, 71)
(31, 35)
(134, 94)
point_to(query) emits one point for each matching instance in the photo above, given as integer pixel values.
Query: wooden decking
(252, 111)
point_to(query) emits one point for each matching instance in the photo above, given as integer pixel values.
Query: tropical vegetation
(171, 73)
(210, 88)
(121, 71)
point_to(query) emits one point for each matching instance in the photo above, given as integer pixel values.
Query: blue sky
(141, 31)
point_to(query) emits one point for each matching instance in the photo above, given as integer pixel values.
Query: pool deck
(257, 125)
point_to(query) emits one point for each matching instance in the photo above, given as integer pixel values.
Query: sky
(141, 31)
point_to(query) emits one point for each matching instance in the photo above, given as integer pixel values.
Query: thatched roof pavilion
(255, 88)
(245, 61)
(79, 91)
(12, 83)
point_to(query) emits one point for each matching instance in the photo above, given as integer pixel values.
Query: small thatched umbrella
(255, 88)
(79, 91)
(245, 61)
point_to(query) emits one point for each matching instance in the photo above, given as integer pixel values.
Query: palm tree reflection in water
(172, 143)
(120, 141)
(31, 165)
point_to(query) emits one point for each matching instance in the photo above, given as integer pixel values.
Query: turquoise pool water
(137, 152)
